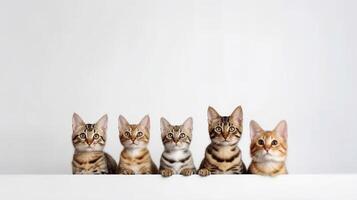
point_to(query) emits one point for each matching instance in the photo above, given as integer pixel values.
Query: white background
(293, 60)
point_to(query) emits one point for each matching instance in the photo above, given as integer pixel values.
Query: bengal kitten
(135, 157)
(89, 141)
(176, 158)
(223, 156)
(268, 149)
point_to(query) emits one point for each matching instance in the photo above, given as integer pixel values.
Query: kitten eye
(96, 136)
(232, 129)
(139, 134)
(170, 135)
(182, 135)
(82, 135)
(261, 142)
(274, 142)
(126, 133)
(218, 129)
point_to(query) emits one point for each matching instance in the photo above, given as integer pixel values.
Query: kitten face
(134, 135)
(268, 145)
(89, 137)
(176, 137)
(225, 130)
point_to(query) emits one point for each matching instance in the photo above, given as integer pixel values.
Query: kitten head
(268, 145)
(225, 130)
(176, 137)
(134, 135)
(89, 137)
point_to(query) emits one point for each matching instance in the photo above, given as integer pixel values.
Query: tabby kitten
(223, 156)
(89, 141)
(135, 157)
(176, 158)
(268, 149)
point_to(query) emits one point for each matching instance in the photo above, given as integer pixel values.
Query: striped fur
(89, 141)
(268, 149)
(135, 157)
(223, 156)
(176, 158)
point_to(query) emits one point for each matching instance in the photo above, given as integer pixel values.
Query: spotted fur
(223, 156)
(176, 158)
(268, 149)
(135, 157)
(89, 141)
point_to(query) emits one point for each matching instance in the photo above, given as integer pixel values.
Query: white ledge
(178, 187)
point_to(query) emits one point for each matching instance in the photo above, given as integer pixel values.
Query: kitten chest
(89, 160)
(136, 159)
(224, 157)
(178, 156)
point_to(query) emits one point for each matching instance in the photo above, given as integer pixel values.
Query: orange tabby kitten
(135, 157)
(268, 149)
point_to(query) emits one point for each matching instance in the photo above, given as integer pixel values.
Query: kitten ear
(282, 129)
(76, 121)
(164, 125)
(255, 129)
(122, 122)
(145, 122)
(212, 114)
(237, 115)
(188, 124)
(102, 122)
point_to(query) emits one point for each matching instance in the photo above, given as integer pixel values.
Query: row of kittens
(268, 149)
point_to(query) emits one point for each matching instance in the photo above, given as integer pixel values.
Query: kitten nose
(225, 135)
(89, 141)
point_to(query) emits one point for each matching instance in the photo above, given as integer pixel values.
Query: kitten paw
(204, 172)
(166, 172)
(128, 172)
(187, 172)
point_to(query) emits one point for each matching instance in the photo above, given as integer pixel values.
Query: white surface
(155, 187)
(293, 60)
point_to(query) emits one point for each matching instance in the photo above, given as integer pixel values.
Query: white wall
(293, 60)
